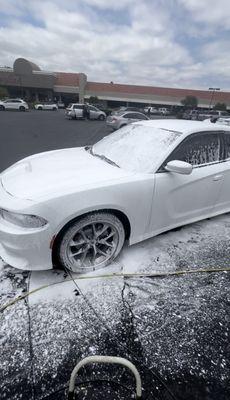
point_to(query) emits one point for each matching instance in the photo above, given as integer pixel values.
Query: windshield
(137, 148)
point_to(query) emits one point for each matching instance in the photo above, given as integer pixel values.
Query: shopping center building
(26, 80)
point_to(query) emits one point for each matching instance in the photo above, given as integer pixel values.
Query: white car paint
(61, 185)
(75, 111)
(14, 104)
(46, 106)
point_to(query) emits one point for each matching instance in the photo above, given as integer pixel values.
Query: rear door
(93, 112)
(180, 199)
(78, 109)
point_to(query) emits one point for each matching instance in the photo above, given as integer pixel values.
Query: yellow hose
(115, 275)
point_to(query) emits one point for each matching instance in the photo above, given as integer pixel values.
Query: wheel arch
(119, 214)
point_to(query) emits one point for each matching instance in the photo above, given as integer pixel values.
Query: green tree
(3, 92)
(189, 102)
(220, 106)
(93, 100)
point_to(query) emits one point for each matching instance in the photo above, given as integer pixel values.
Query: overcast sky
(174, 43)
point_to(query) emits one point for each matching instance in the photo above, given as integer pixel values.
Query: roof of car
(182, 126)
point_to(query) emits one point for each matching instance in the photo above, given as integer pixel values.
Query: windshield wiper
(101, 156)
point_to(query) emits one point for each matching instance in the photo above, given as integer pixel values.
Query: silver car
(75, 111)
(119, 120)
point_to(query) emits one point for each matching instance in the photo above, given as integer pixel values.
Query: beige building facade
(25, 79)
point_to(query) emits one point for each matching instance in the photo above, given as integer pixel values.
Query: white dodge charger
(76, 207)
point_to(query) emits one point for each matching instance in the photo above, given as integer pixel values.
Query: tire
(54, 109)
(39, 108)
(97, 238)
(22, 108)
(101, 117)
(2, 108)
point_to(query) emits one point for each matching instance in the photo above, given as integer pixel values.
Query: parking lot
(174, 328)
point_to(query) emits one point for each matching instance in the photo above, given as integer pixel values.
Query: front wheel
(2, 108)
(101, 117)
(90, 243)
(21, 108)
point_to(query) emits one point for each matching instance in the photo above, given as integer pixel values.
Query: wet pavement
(175, 329)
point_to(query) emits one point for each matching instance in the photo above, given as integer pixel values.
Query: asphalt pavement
(175, 329)
(26, 133)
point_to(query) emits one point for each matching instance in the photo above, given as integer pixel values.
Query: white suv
(13, 104)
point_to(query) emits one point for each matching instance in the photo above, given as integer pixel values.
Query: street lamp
(212, 97)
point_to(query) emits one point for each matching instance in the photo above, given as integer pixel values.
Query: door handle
(217, 177)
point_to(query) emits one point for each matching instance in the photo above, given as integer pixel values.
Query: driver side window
(199, 149)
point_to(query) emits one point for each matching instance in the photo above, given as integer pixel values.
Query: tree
(190, 102)
(93, 100)
(3, 92)
(220, 106)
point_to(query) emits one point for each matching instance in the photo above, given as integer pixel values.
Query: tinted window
(129, 115)
(92, 108)
(78, 107)
(202, 148)
(139, 116)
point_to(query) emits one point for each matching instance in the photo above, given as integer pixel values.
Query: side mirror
(179, 167)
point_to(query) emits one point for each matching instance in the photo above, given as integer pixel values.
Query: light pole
(212, 96)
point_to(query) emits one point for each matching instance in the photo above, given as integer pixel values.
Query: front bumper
(23, 248)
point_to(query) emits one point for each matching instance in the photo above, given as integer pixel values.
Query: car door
(180, 199)
(9, 104)
(129, 117)
(224, 203)
(93, 112)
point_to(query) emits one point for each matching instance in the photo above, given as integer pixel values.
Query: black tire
(54, 109)
(108, 241)
(22, 108)
(2, 108)
(39, 108)
(101, 117)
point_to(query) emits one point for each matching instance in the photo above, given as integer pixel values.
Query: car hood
(58, 172)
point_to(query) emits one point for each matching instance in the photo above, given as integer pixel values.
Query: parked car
(192, 114)
(117, 121)
(75, 111)
(218, 120)
(164, 111)
(211, 113)
(134, 184)
(151, 110)
(13, 104)
(46, 106)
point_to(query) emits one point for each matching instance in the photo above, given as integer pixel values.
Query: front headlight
(23, 220)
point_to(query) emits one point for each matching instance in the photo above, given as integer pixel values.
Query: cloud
(127, 41)
(212, 12)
